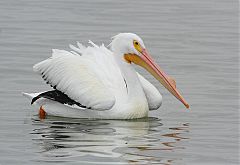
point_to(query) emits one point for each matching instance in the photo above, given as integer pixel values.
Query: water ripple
(130, 141)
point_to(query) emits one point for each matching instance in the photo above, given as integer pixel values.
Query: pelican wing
(77, 75)
(153, 96)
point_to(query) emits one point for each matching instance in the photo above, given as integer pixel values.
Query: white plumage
(75, 76)
(100, 79)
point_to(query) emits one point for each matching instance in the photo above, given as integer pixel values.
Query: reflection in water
(130, 141)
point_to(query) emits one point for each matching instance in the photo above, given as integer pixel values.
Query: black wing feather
(58, 96)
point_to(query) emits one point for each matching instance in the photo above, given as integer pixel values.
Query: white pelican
(95, 82)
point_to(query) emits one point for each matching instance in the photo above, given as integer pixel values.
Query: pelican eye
(137, 46)
(135, 42)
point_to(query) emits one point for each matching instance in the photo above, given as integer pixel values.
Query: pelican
(97, 82)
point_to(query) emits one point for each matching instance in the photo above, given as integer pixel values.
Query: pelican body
(97, 82)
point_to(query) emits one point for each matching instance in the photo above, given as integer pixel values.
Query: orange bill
(146, 61)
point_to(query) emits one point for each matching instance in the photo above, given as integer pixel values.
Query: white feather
(75, 49)
(153, 96)
(81, 46)
(80, 78)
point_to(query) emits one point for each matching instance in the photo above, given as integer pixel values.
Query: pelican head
(132, 50)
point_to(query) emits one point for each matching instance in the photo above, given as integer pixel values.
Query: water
(196, 42)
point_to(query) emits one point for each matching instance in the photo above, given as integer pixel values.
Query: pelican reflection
(83, 140)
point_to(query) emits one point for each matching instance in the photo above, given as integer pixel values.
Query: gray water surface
(194, 41)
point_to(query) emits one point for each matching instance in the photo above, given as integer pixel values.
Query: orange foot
(42, 114)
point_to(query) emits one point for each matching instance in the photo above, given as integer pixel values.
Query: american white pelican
(95, 82)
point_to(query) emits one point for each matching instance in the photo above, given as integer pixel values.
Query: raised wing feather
(77, 76)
